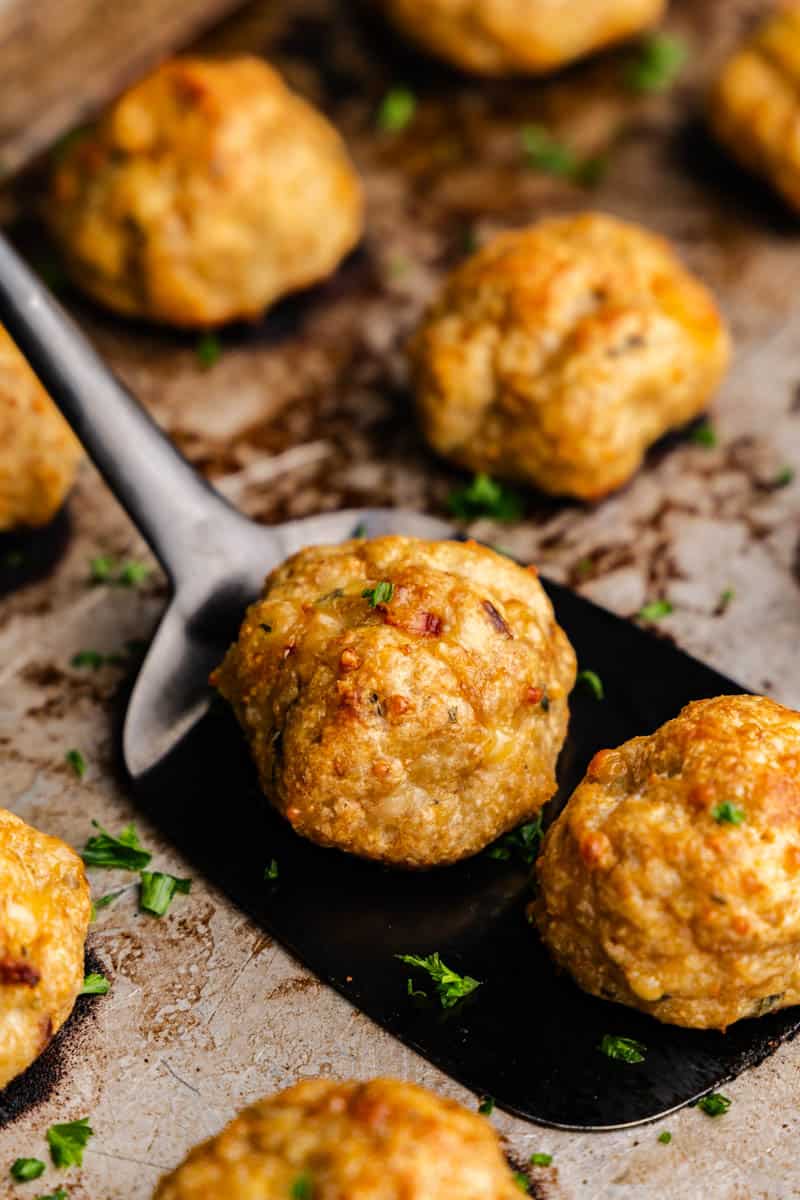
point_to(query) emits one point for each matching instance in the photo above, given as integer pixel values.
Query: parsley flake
(541, 1160)
(523, 843)
(450, 986)
(665, 1138)
(106, 851)
(104, 901)
(380, 594)
(486, 1106)
(107, 569)
(25, 1169)
(522, 1182)
(396, 111)
(725, 598)
(67, 1142)
(704, 435)
(271, 872)
(714, 1104)
(485, 497)
(623, 1048)
(302, 1187)
(60, 1193)
(158, 890)
(208, 350)
(75, 759)
(784, 477)
(95, 985)
(360, 531)
(415, 993)
(660, 59)
(88, 658)
(593, 682)
(545, 153)
(655, 610)
(728, 813)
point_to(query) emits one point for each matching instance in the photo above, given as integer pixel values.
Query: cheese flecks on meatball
(404, 700)
(39, 455)
(755, 103)
(207, 191)
(381, 1140)
(44, 916)
(558, 354)
(502, 37)
(671, 881)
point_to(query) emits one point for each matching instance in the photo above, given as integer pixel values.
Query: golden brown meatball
(382, 1140)
(44, 916)
(403, 700)
(558, 354)
(755, 103)
(204, 194)
(38, 453)
(503, 37)
(671, 881)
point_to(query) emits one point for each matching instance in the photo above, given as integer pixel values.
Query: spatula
(527, 1036)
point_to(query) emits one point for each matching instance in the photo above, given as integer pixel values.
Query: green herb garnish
(107, 569)
(158, 890)
(126, 851)
(486, 1106)
(545, 153)
(659, 61)
(665, 1138)
(484, 497)
(655, 610)
(104, 901)
(60, 1193)
(523, 1183)
(593, 682)
(396, 111)
(726, 597)
(714, 1104)
(78, 763)
(450, 986)
(728, 813)
(271, 872)
(380, 594)
(303, 1187)
(67, 1142)
(95, 985)
(415, 993)
(704, 435)
(624, 1048)
(541, 1160)
(208, 350)
(784, 477)
(132, 573)
(25, 1169)
(523, 842)
(88, 658)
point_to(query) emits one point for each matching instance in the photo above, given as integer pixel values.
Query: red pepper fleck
(535, 695)
(426, 623)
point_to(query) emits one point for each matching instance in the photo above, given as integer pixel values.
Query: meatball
(755, 103)
(381, 1140)
(206, 192)
(404, 700)
(558, 354)
(671, 881)
(44, 916)
(504, 37)
(38, 454)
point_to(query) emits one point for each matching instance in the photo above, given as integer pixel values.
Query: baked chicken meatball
(206, 192)
(755, 103)
(404, 700)
(44, 916)
(381, 1140)
(39, 455)
(558, 354)
(671, 881)
(504, 37)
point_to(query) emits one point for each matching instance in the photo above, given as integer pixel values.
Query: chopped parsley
(784, 477)
(522, 1182)
(545, 153)
(593, 682)
(523, 843)
(486, 1106)
(541, 1160)
(714, 1104)
(271, 872)
(95, 985)
(302, 1187)
(380, 594)
(107, 569)
(728, 813)
(75, 759)
(208, 350)
(655, 610)
(132, 573)
(158, 890)
(104, 901)
(725, 598)
(660, 59)
(665, 1138)
(704, 435)
(484, 497)
(25, 1169)
(94, 660)
(360, 530)
(415, 993)
(67, 1142)
(60, 1193)
(126, 851)
(623, 1048)
(397, 109)
(450, 986)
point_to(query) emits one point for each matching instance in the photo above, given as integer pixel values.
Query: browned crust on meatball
(381, 1140)
(649, 896)
(39, 455)
(205, 193)
(754, 106)
(503, 37)
(415, 731)
(558, 354)
(44, 917)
